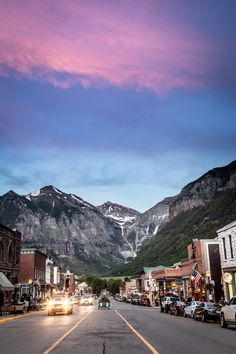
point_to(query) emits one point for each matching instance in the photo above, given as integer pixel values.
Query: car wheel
(222, 321)
(203, 317)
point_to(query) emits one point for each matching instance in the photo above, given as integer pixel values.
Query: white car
(86, 299)
(190, 308)
(228, 314)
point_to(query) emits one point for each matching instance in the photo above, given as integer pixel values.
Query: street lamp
(30, 281)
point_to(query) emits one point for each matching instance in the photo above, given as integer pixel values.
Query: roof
(5, 284)
(32, 250)
(228, 226)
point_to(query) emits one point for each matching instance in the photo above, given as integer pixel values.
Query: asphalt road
(126, 329)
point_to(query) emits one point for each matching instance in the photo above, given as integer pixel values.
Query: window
(231, 246)
(224, 246)
(1, 250)
(10, 254)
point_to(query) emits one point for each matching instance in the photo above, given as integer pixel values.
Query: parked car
(135, 300)
(177, 308)
(60, 304)
(166, 302)
(117, 297)
(190, 308)
(228, 313)
(207, 311)
(144, 301)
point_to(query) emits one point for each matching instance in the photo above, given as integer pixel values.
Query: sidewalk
(13, 317)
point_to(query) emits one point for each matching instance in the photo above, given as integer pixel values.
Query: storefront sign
(227, 277)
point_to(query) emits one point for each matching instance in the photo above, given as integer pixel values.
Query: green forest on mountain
(170, 244)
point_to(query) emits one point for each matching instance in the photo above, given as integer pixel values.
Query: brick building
(33, 272)
(204, 257)
(10, 244)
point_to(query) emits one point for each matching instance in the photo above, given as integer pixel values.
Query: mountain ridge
(99, 239)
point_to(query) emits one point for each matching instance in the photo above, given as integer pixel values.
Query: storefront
(6, 290)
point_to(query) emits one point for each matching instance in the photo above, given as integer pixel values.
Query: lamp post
(30, 281)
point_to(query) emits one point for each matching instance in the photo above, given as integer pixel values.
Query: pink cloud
(97, 43)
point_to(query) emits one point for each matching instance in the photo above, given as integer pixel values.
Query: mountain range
(99, 239)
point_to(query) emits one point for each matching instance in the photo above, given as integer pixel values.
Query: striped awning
(5, 284)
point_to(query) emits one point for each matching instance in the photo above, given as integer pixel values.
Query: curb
(5, 320)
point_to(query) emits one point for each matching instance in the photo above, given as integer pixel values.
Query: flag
(197, 277)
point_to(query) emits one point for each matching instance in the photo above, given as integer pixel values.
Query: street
(124, 329)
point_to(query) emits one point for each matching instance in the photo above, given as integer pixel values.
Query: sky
(124, 100)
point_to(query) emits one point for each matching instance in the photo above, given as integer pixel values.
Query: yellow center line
(65, 335)
(153, 350)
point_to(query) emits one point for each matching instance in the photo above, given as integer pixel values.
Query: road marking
(153, 350)
(65, 335)
(17, 317)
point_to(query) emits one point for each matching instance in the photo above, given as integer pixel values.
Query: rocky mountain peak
(119, 213)
(10, 193)
(45, 191)
(202, 190)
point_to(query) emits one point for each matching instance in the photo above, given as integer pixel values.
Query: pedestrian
(222, 301)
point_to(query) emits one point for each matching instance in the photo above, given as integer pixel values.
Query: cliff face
(146, 225)
(201, 191)
(137, 229)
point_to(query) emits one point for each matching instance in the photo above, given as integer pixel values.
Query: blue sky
(100, 123)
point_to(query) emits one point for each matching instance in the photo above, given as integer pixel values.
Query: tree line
(99, 284)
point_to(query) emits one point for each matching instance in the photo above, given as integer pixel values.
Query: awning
(5, 284)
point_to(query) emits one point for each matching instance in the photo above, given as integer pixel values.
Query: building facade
(33, 272)
(10, 244)
(227, 240)
(203, 258)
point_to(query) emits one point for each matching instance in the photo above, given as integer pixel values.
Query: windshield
(59, 298)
